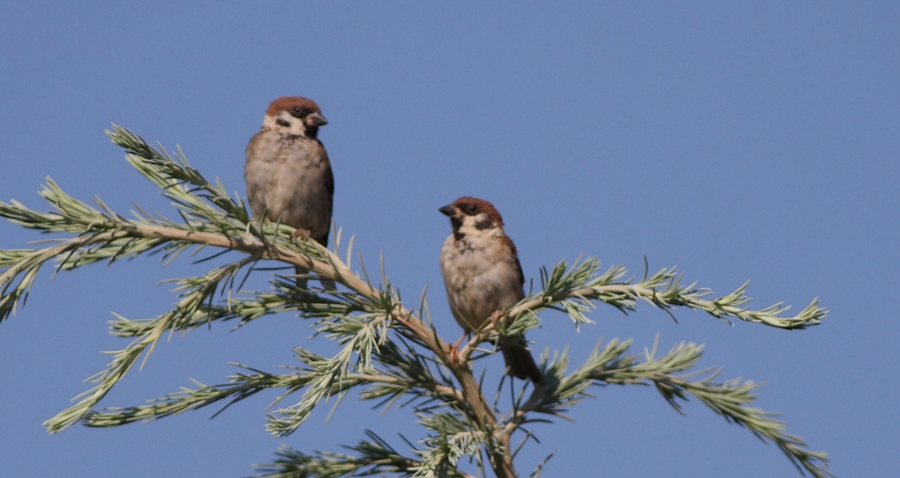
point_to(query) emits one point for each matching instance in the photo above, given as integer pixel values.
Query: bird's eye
(471, 209)
(299, 112)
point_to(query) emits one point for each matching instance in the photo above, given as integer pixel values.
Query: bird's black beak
(448, 210)
(316, 119)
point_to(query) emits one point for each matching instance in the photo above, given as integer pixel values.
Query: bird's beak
(316, 119)
(448, 210)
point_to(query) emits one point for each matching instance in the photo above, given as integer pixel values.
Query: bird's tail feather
(520, 363)
(301, 272)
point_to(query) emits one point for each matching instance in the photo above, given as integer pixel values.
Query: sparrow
(483, 277)
(288, 175)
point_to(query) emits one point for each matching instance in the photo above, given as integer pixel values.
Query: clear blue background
(742, 141)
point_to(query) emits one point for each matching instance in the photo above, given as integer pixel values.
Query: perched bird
(483, 276)
(289, 178)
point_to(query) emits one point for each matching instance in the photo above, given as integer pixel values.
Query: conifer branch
(388, 351)
(374, 457)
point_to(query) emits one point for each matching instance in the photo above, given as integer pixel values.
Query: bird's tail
(520, 363)
(301, 281)
(301, 272)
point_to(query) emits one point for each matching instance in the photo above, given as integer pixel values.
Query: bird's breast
(288, 178)
(480, 278)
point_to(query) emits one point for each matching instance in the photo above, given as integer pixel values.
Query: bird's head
(295, 116)
(472, 216)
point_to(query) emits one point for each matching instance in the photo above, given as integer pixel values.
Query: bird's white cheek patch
(295, 126)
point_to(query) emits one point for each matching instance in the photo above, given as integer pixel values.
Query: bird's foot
(453, 350)
(495, 319)
(453, 355)
(303, 234)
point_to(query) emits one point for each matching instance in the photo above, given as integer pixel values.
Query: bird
(483, 277)
(288, 174)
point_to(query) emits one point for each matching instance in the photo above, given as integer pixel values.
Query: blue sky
(742, 141)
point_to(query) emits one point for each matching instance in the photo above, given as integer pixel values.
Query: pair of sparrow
(289, 180)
